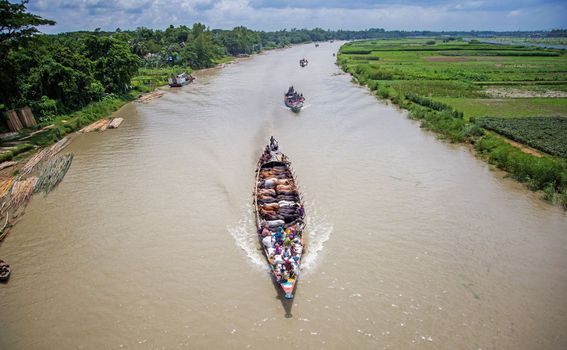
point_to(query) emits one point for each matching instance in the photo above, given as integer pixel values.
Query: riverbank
(434, 80)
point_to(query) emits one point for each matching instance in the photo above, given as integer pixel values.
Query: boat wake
(317, 232)
(304, 107)
(244, 234)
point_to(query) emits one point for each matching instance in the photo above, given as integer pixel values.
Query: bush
(437, 106)
(538, 172)
(45, 108)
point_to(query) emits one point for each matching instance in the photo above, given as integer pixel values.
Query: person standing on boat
(273, 143)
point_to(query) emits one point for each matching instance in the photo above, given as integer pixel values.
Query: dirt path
(524, 148)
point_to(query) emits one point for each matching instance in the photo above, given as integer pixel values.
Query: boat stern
(288, 287)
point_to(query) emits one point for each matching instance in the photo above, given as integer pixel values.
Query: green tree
(16, 24)
(17, 27)
(115, 64)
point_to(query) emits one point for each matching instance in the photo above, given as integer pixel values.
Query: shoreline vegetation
(443, 84)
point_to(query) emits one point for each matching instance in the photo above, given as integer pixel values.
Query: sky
(436, 15)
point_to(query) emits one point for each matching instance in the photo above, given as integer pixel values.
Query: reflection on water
(149, 242)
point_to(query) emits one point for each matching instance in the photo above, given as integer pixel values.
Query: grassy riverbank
(451, 86)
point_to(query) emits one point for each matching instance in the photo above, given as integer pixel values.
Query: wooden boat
(276, 211)
(293, 100)
(180, 80)
(4, 271)
(294, 105)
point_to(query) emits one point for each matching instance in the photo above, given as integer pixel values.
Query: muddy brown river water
(149, 242)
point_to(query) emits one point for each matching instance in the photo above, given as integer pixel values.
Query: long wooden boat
(279, 217)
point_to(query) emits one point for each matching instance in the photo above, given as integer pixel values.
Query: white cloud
(406, 15)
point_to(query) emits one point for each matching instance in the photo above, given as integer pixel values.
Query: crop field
(477, 79)
(507, 107)
(548, 134)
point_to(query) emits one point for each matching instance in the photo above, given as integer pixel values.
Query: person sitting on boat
(285, 277)
(301, 211)
(288, 265)
(278, 236)
(265, 232)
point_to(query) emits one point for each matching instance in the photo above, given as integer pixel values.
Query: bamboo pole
(22, 192)
(52, 173)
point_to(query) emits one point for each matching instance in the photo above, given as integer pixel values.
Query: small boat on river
(303, 62)
(279, 217)
(294, 100)
(4, 271)
(180, 80)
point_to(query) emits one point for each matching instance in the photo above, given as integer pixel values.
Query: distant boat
(316, 45)
(279, 217)
(180, 80)
(303, 62)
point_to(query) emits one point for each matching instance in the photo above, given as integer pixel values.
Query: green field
(508, 107)
(451, 86)
(475, 78)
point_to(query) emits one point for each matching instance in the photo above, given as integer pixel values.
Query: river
(149, 242)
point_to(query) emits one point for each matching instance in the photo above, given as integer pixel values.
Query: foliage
(17, 25)
(548, 134)
(437, 106)
(538, 172)
(8, 155)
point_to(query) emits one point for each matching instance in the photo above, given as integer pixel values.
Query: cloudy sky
(278, 14)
